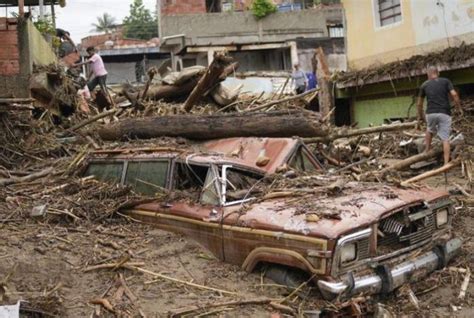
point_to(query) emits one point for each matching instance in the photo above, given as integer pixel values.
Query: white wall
(433, 22)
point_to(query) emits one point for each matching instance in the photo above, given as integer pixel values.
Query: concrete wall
(242, 27)
(41, 52)
(425, 27)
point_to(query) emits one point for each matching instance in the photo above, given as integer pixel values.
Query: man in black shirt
(438, 110)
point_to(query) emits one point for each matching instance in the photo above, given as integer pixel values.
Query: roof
(14, 3)
(239, 151)
(452, 58)
(247, 150)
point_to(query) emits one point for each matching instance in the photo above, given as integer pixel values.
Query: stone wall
(242, 27)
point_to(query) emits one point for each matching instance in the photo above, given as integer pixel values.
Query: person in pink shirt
(97, 69)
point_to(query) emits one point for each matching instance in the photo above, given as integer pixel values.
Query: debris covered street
(218, 181)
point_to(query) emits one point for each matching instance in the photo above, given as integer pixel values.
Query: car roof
(243, 152)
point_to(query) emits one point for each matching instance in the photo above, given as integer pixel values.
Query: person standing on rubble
(438, 110)
(97, 68)
(299, 79)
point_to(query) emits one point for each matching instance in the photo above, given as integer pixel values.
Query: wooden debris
(272, 124)
(179, 281)
(345, 133)
(104, 303)
(112, 266)
(465, 284)
(27, 178)
(211, 77)
(432, 173)
(280, 101)
(195, 309)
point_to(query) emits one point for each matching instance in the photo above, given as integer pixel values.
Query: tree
(140, 24)
(262, 8)
(105, 23)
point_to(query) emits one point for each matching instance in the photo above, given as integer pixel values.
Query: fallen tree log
(403, 164)
(271, 124)
(434, 172)
(210, 79)
(345, 133)
(167, 92)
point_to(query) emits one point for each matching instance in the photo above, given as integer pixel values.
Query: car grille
(405, 230)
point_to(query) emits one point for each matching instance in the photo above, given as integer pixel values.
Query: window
(198, 182)
(387, 12)
(239, 185)
(336, 31)
(303, 161)
(210, 192)
(147, 177)
(213, 5)
(106, 171)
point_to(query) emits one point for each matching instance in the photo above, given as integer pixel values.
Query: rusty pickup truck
(383, 238)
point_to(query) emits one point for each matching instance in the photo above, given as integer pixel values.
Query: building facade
(383, 31)
(193, 30)
(389, 45)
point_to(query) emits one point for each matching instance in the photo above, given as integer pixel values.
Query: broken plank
(432, 173)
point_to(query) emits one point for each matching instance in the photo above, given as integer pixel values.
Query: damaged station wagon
(382, 237)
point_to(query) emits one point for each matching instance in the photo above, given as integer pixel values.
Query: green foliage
(262, 8)
(105, 24)
(45, 25)
(140, 24)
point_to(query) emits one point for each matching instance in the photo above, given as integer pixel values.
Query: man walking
(299, 79)
(438, 111)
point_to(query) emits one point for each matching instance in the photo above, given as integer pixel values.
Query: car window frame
(125, 162)
(223, 184)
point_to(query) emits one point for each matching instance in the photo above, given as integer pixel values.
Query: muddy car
(381, 238)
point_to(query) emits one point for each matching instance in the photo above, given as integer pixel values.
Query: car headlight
(348, 253)
(441, 217)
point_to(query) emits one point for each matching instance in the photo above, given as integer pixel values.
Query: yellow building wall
(365, 41)
(425, 27)
(41, 52)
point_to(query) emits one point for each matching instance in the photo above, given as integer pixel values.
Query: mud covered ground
(44, 265)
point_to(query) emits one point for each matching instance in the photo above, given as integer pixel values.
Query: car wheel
(284, 275)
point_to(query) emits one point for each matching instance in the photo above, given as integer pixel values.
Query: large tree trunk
(156, 92)
(215, 73)
(271, 124)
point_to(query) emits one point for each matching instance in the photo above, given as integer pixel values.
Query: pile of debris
(450, 56)
(42, 189)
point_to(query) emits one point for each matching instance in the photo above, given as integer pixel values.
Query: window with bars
(388, 12)
(336, 31)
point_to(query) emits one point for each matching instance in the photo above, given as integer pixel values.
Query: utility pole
(158, 13)
(41, 5)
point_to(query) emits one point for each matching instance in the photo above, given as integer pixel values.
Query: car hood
(357, 206)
